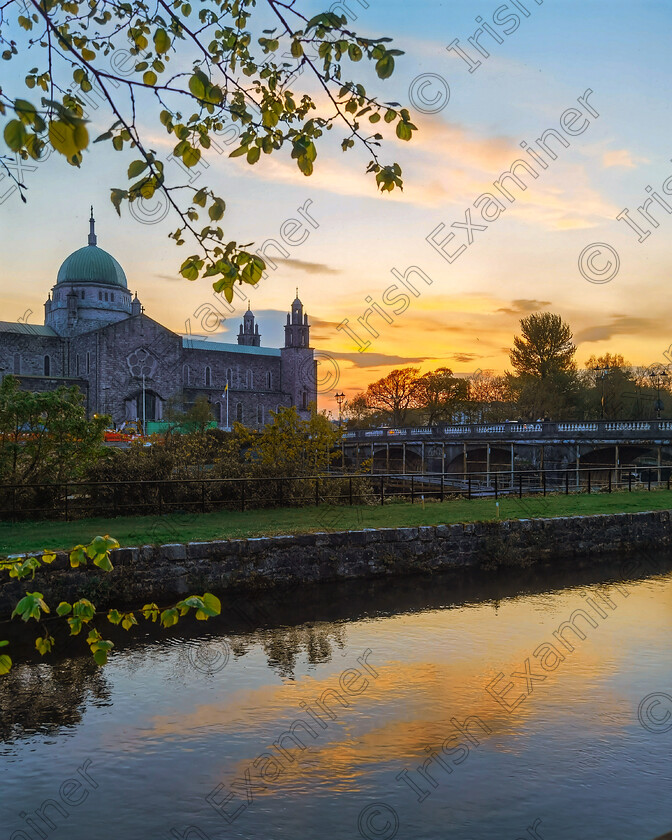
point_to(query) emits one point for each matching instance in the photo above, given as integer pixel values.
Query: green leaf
(150, 77)
(169, 617)
(15, 135)
(128, 621)
(5, 664)
(217, 209)
(212, 606)
(44, 645)
(385, 66)
(191, 156)
(297, 49)
(404, 131)
(253, 154)
(63, 608)
(114, 617)
(197, 84)
(78, 556)
(241, 150)
(161, 41)
(354, 52)
(137, 168)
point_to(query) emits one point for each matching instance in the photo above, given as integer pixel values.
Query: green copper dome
(92, 265)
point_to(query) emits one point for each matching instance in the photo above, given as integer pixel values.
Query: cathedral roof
(92, 265)
(189, 343)
(26, 329)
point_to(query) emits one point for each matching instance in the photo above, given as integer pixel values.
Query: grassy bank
(140, 530)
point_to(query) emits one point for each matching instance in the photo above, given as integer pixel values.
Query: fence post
(630, 482)
(13, 504)
(242, 495)
(589, 481)
(520, 485)
(202, 496)
(158, 488)
(649, 479)
(610, 481)
(469, 488)
(382, 490)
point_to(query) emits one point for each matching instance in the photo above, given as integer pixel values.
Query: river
(459, 706)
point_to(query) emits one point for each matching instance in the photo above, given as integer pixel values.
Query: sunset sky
(525, 260)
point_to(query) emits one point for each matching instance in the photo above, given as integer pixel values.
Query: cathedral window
(207, 377)
(105, 295)
(100, 295)
(17, 363)
(239, 412)
(88, 362)
(78, 364)
(112, 296)
(82, 294)
(47, 366)
(185, 375)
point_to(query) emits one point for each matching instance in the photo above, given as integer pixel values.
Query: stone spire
(93, 239)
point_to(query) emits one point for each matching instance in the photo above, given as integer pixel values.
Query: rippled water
(579, 745)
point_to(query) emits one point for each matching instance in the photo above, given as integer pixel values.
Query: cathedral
(97, 336)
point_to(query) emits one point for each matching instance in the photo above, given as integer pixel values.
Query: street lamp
(604, 371)
(658, 376)
(340, 398)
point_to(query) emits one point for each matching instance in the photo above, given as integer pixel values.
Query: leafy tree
(610, 387)
(226, 67)
(557, 396)
(395, 393)
(45, 437)
(290, 446)
(489, 398)
(544, 346)
(81, 614)
(440, 395)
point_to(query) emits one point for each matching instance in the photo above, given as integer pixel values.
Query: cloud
(371, 360)
(621, 157)
(466, 357)
(309, 267)
(522, 305)
(620, 325)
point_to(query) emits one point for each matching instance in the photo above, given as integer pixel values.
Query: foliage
(544, 346)
(45, 437)
(440, 394)
(395, 393)
(290, 446)
(199, 74)
(489, 398)
(81, 614)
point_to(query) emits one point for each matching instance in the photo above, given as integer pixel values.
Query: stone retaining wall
(163, 573)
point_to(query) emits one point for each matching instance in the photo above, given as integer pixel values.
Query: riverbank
(191, 527)
(165, 572)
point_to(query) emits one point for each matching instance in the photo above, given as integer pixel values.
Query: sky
(474, 270)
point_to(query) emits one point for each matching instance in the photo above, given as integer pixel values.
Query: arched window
(111, 296)
(78, 363)
(88, 361)
(260, 415)
(82, 294)
(268, 380)
(47, 366)
(185, 374)
(304, 398)
(207, 377)
(239, 412)
(105, 295)
(100, 295)
(250, 379)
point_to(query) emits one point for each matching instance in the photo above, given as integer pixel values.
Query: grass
(140, 530)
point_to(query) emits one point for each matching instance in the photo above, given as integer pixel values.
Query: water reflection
(298, 710)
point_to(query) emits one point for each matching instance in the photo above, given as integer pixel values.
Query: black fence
(77, 500)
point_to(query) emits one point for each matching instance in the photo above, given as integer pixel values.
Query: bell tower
(249, 334)
(299, 374)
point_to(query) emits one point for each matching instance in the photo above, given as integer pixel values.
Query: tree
(45, 437)
(357, 412)
(440, 394)
(611, 391)
(395, 393)
(290, 446)
(200, 74)
(545, 346)
(489, 398)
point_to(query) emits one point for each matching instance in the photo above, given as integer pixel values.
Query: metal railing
(76, 500)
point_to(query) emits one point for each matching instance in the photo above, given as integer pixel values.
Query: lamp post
(657, 377)
(604, 371)
(340, 399)
(226, 395)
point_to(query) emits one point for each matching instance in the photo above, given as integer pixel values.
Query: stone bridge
(486, 448)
